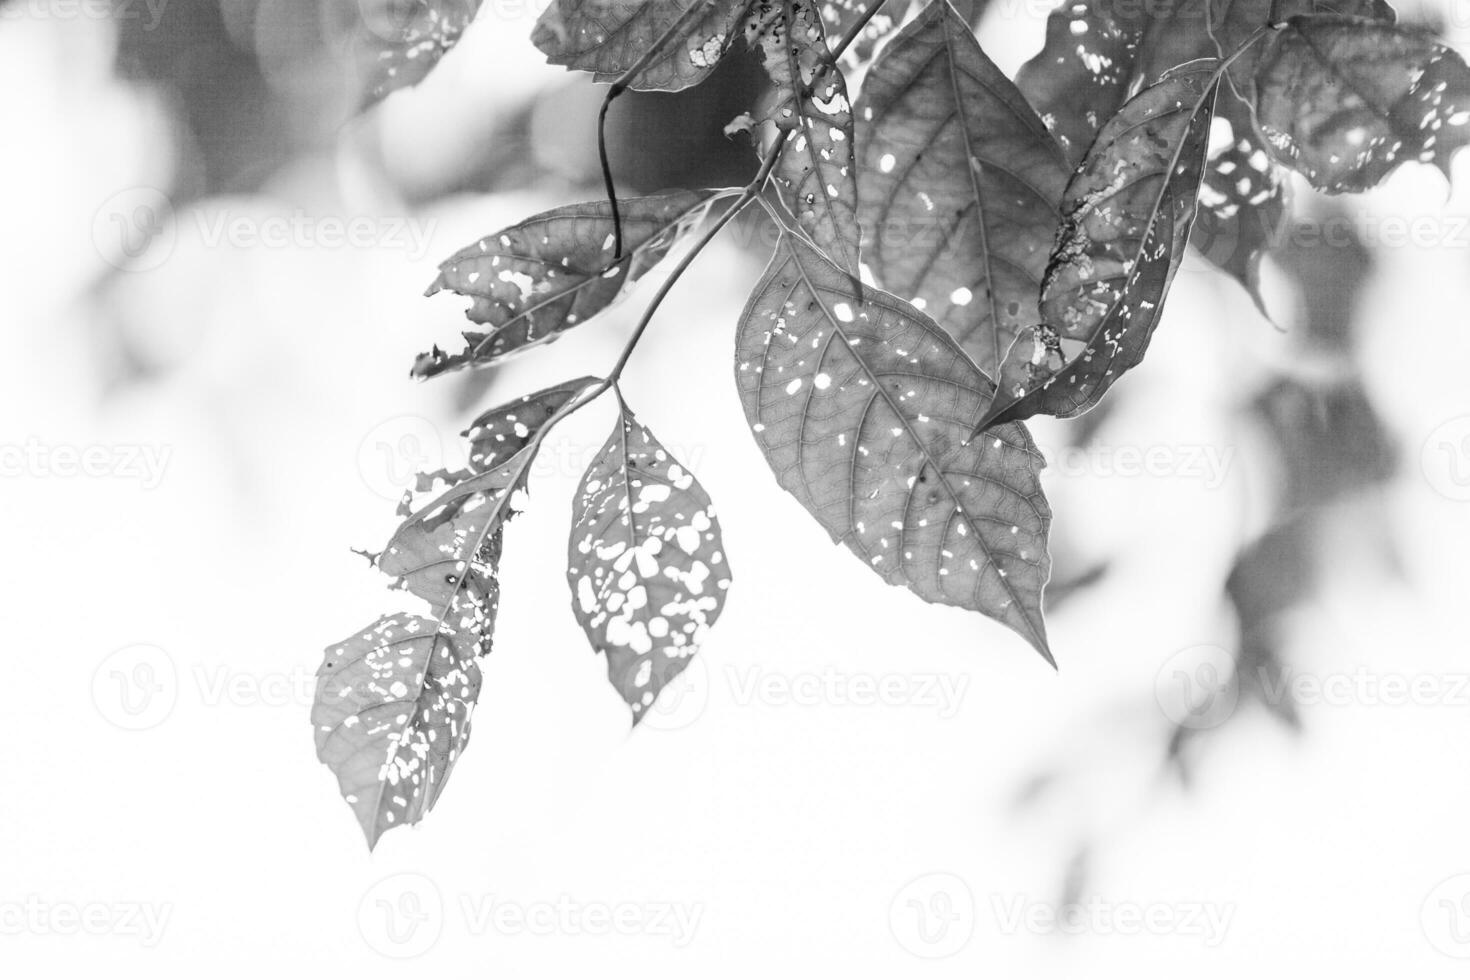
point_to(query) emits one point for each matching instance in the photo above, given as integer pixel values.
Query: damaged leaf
(961, 184)
(392, 715)
(1344, 101)
(531, 281)
(1242, 199)
(608, 37)
(407, 38)
(645, 563)
(1127, 216)
(1082, 73)
(809, 109)
(863, 408)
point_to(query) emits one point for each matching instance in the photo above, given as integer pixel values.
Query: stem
(751, 191)
(621, 85)
(848, 38)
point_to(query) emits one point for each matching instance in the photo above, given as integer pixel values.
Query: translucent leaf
(1344, 101)
(531, 281)
(810, 110)
(961, 184)
(863, 407)
(608, 37)
(645, 563)
(392, 714)
(407, 38)
(1128, 211)
(1082, 73)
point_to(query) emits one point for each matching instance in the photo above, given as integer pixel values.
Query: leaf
(809, 108)
(448, 552)
(530, 282)
(1232, 22)
(608, 37)
(645, 563)
(838, 16)
(505, 430)
(392, 715)
(407, 38)
(863, 407)
(961, 184)
(1242, 200)
(1082, 73)
(1344, 101)
(1128, 211)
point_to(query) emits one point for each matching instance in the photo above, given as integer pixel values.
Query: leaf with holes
(645, 563)
(808, 108)
(1127, 215)
(1242, 199)
(500, 433)
(405, 39)
(392, 715)
(961, 184)
(448, 552)
(863, 408)
(530, 282)
(1082, 73)
(609, 37)
(1344, 101)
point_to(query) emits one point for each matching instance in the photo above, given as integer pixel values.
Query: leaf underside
(1344, 100)
(408, 38)
(645, 563)
(961, 184)
(1128, 211)
(532, 281)
(862, 407)
(608, 37)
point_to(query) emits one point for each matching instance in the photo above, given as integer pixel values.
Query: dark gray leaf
(407, 38)
(863, 407)
(608, 37)
(961, 184)
(645, 563)
(531, 281)
(1128, 211)
(1344, 101)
